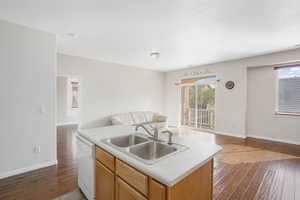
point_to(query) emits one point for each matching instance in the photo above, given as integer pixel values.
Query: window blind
(289, 95)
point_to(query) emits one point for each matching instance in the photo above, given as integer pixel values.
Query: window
(288, 86)
(198, 102)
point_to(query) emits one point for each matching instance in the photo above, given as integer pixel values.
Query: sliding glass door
(198, 105)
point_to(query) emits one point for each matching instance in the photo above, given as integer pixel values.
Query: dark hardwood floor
(270, 180)
(49, 182)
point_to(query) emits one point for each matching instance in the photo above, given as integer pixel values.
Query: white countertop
(169, 170)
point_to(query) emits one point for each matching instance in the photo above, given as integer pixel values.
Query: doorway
(67, 100)
(198, 104)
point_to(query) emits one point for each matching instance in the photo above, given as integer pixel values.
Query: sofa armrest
(159, 117)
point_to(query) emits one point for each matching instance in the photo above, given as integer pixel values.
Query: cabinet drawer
(126, 192)
(105, 158)
(135, 178)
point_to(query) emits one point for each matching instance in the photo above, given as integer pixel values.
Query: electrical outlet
(37, 149)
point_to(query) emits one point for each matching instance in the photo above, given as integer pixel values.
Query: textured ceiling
(185, 32)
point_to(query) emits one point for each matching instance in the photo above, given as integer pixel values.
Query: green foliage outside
(205, 96)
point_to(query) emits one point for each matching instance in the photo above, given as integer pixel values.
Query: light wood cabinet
(105, 158)
(196, 186)
(135, 178)
(126, 192)
(117, 180)
(105, 183)
(157, 191)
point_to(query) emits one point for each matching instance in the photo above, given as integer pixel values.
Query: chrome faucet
(153, 136)
(170, 136)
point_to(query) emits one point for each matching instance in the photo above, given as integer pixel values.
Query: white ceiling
(186, 32)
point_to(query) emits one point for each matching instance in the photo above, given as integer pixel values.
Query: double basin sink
(144, 149)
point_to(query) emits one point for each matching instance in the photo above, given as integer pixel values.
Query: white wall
(261, 120)
(27, 85)
(108, 88)
(64, 115)
(231, 105)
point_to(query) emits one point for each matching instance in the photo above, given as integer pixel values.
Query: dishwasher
(86, 166)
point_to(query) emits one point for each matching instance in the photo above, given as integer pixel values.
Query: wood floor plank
(232, 184)
(255, 182)
(221, 185)
(288, 188)
(245, 183)
(278, 181)
(297, 179)
(265, 190)
(223, 171)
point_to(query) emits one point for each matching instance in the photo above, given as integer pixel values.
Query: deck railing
(199, 118)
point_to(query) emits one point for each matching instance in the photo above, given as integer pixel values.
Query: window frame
(275, 70)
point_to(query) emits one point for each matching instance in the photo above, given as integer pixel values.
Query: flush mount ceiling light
(72, 35)
(154, 54)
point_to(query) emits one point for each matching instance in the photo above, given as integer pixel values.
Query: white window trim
(196, 84)
(277, 113)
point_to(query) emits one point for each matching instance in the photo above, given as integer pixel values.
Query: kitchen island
(185, 174)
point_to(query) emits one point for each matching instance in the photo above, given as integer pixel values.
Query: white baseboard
(246, 136)
(67, 123)
(217, 132)
(27, 169)
(273, 139)
(229, 134)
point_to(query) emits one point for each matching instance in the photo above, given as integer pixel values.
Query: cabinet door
(126, 192)
(105, 182)
(157, 191)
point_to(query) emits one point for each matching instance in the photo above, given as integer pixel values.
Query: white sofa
(129, 118)
(132, 118)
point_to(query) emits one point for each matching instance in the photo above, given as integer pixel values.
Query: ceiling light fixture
(72, 35)
(155, 54)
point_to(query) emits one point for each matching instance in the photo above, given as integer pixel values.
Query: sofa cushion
(132, 118)
(138, 117)
(148, 116)
(124, 118)
(159, 118)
